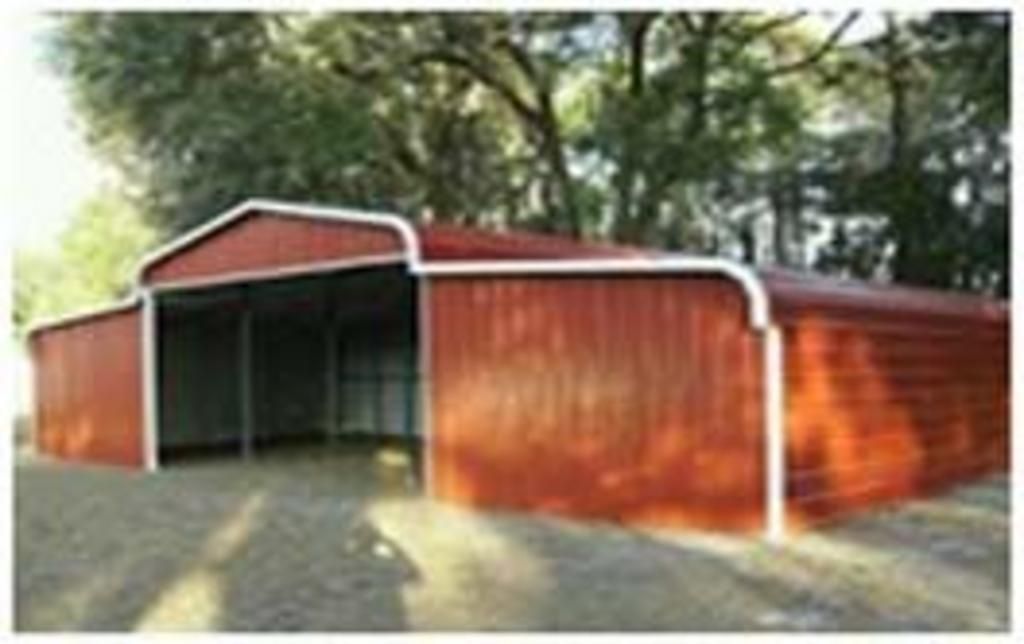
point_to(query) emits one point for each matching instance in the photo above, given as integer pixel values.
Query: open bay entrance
(329, 360)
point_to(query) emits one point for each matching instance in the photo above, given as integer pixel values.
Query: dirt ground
(334, 541)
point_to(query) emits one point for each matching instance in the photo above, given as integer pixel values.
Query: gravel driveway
(336, 542)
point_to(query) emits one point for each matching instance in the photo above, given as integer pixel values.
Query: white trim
(757, 295)
(410, 256)
(246, 277)
(759, 316)
(125, 304)
(150, 391)
(423, 372)
(753, 288)
(747, 278)
(775, 436)
(403, 228)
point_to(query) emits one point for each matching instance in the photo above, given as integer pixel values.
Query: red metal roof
(791, 290)
(788, 291)
(449, 242)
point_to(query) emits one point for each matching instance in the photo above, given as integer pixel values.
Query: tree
(204, 109)
(91, 265)
(732, 133)
(933, 165)
(455, 113)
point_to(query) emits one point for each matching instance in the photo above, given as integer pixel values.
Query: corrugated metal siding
(265, 241)
(636, 399)
(883, 406)
(88, 390)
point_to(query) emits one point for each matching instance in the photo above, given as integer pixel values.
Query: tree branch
(687, 22)
(638, 26)
(519, 57)
(523, 109)
(359, 75)
(825, 47)
(701, 51)
(764, 28)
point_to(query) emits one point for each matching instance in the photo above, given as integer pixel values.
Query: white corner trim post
(775, 445)
(759, 319)
(423, 374)
(150, 392)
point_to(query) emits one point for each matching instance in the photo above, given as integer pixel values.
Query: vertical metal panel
(88, 381)
(636, 399)
(882, 406)
(261, 242)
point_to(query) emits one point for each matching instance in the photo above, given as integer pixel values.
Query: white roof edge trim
(401, 226)
(753, 287)
(297, 270)
(124, 304)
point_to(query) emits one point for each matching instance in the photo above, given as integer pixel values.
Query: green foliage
(203, 109)
(725, 132)
(935, 171)
(91, 266)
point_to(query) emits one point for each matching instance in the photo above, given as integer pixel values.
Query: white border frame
(266, 275)
(753, 287)
(120, 306)
(150, 393)
(405, 230)
(775, 433)
(423, 331)
(757, 295)
(759, 315)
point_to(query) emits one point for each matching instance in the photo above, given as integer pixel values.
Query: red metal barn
(538, 373)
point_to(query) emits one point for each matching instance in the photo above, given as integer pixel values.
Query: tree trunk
(786, 197)
(569, 221)
(897, 170)
(748, 243)
(697, 93)
(636, 27)
(780, 224)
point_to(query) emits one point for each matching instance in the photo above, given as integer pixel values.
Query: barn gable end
(254, 241)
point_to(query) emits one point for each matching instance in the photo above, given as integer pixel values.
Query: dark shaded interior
(324, 359)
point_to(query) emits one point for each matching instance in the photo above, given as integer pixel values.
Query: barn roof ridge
(436, 248)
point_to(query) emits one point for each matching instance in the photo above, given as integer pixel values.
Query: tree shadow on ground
(203, 548)
(226, 548)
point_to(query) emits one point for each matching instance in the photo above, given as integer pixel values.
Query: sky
(53, 169)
